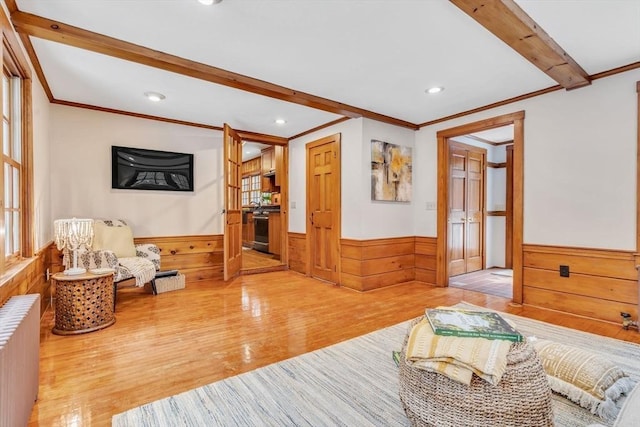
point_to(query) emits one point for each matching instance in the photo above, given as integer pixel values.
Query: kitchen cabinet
(248, 231)
(272, 167)
(252, 167)
(278, 164)
(268, 160)
(275, 238)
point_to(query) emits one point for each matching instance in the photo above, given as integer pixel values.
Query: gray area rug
(353, 383)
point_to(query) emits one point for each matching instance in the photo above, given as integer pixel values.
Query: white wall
(43, 222)
(81, 143)
(351, 137)
(579, 167)
(362, 218)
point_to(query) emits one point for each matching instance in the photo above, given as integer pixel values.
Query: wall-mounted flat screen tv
(141, 169)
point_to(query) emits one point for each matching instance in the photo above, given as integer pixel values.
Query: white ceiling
(373, 54)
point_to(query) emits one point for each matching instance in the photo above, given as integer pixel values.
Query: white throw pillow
(116, 239)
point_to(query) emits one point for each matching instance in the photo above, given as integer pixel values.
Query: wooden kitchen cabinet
(248, 231)
(252, 167)
(278, 160)
(268, 160)
(275, 238)
(272, 167)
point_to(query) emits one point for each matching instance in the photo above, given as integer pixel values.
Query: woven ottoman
(522, 398)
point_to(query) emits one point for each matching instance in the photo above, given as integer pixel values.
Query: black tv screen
(141, 169)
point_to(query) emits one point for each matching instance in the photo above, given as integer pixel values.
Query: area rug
(353, 383)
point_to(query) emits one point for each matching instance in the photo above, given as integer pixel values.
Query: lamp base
(75, 271)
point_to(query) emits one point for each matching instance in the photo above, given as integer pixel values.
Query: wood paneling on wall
(601, 283)
(297, 243)
(197, 257)
(426, 249)
(376, 263)
(30, 279)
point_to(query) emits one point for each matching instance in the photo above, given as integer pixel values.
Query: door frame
(335, 140)
(442, 262)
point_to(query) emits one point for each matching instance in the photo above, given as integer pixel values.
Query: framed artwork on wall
(390, 172)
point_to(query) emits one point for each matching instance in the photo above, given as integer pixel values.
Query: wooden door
(457, 210)
(466, 208)
(323, 208)
(233, 203)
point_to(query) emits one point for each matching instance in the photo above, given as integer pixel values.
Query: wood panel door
(232, 203)
(466, 208)
(323, 208)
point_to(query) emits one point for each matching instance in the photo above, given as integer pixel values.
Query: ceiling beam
(507, 21)
(48, 29)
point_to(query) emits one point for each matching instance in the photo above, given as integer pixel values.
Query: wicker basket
(170, 283)
(522, 398)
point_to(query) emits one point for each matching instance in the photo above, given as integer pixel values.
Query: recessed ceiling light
(435, 89)
(280, 121)
(154, 96)
(209, 2)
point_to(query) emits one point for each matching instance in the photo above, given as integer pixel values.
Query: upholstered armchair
(113, 247)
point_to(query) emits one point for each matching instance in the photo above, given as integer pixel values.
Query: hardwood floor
(490, 281)
(252, 259)
(175, 341)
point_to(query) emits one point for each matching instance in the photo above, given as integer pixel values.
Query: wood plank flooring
(252, 259)
(175, 341)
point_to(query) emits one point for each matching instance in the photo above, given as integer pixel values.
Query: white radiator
(19, 358)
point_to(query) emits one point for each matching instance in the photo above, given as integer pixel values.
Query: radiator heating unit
(19, 358)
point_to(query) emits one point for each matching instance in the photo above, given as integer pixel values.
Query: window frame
(16, 65)
(250, 184)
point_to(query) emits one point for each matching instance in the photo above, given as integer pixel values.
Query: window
(16, 224)
(11, 164)
(251, 190)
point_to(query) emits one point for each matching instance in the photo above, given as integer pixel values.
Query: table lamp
(72, 234)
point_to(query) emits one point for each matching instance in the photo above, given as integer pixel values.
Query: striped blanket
(457, 358)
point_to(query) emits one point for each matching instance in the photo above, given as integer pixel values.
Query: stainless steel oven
(261, 227)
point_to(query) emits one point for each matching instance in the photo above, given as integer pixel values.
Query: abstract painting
(390, 172)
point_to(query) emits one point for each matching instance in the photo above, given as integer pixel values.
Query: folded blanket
(457, 358)
(140, 268)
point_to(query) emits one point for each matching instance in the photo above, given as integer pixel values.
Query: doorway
(263, 189)
(512, 248)
(479, 211)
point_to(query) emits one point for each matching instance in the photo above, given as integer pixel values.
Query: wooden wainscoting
(426, 250)
(376, 263)
(197, 257)
(297, 243)
(601, 283)
(30, 278)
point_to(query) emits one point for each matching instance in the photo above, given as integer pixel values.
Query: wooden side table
(84, 303)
